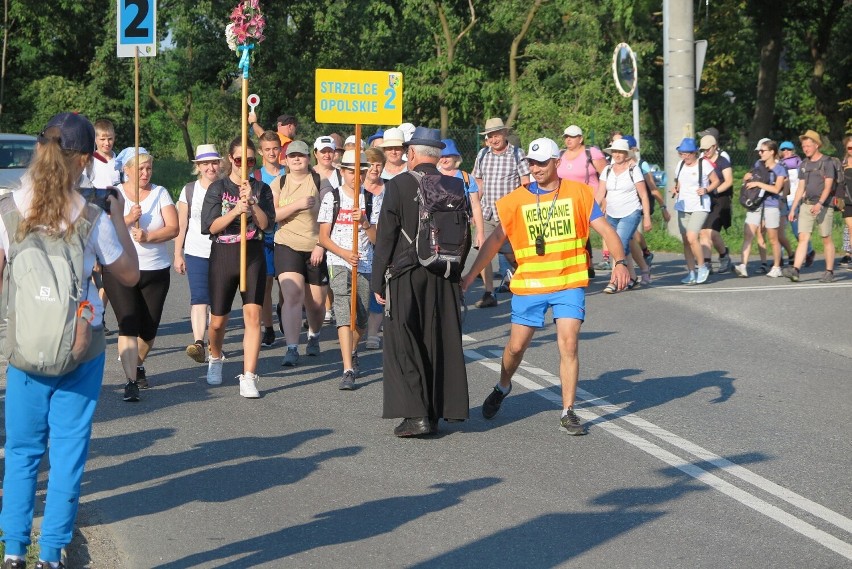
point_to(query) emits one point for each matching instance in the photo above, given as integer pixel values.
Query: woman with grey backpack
(50, 239)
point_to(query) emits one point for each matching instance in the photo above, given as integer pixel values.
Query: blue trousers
(39, 410)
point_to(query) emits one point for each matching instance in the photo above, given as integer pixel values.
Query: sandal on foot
(610, 289)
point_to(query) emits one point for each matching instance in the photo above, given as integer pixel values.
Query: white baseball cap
(761, 142)
(407, 130)
(542, 150)
(351, 140)
(573, 130)
(324, 142)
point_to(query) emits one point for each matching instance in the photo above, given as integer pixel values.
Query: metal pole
(636, 114)
(678, 84)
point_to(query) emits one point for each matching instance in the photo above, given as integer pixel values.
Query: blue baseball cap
(450, 148)
(687, 145)
(379, 134)
(631, 142)
(787, 145)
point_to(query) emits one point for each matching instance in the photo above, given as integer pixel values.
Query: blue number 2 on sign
(136, 22)
(390, 92)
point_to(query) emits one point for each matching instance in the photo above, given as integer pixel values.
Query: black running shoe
(809, 258)
(131, 391)
(493, 401)
(571, 423)
(268, 338)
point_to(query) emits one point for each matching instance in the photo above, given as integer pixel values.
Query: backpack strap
(588, 161)
(317, 179)
(189, 191)
(418, 177)
(258, 175)
(677, 176)
(335, 207)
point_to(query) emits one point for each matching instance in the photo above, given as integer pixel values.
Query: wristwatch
(620, 262)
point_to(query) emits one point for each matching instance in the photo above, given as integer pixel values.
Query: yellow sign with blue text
(346, 96)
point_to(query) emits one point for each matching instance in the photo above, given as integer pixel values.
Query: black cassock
(424, 367)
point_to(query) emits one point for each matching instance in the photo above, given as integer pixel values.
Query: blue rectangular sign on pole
(137, 28)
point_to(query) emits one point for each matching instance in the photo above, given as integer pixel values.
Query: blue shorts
(530, 309)
(269, 251)
(375, 307)
(196, 272)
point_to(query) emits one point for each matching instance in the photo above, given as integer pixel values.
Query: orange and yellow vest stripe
(564, 264)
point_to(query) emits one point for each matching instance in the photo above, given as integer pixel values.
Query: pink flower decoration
(248, 22)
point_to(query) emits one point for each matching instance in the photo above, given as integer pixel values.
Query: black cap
(287, 119)
(74, 131)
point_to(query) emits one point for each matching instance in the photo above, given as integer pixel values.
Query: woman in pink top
(579, 162)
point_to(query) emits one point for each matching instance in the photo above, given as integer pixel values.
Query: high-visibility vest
(564, 264)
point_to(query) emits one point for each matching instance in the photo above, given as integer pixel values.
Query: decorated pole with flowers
(243, 34)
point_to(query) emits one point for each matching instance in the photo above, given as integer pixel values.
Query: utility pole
(678, 86)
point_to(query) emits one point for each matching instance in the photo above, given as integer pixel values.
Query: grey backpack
(43, 290)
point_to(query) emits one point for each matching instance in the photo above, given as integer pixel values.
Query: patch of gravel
(92, 546)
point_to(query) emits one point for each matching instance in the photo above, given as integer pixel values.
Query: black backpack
(753, 198)
(443, 239)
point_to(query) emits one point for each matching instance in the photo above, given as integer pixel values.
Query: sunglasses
(761, 151)
(238, 161)
(849, 148)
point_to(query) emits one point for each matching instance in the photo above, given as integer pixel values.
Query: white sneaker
(774, 273)
(214, 370)
(701, 274)
(248, 385)
(741, 270)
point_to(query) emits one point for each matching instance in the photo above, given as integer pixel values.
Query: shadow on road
(208, 472)
(336, 527)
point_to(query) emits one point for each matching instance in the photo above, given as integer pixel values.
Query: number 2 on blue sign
(134, 30)
(390, 92)
(137, 21)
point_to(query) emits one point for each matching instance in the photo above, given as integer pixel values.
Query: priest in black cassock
(424, 369)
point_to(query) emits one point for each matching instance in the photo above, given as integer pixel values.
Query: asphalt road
(719, 437)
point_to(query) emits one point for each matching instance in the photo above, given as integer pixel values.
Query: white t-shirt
(104, 173)
(195, 244)
(341, 233)
(388, 176)
(103, 245)
(688, 199)
(152, 256)
(622, 197)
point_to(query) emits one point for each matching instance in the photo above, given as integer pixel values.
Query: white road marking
(768, 287)
(744, 474)
(796, 524)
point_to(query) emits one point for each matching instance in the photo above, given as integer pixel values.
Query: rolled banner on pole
(356, 195)
(243, 177)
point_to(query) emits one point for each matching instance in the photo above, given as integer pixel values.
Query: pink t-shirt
(576, 169)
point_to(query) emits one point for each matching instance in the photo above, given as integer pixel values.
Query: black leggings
(139, 308)
(224, 275)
